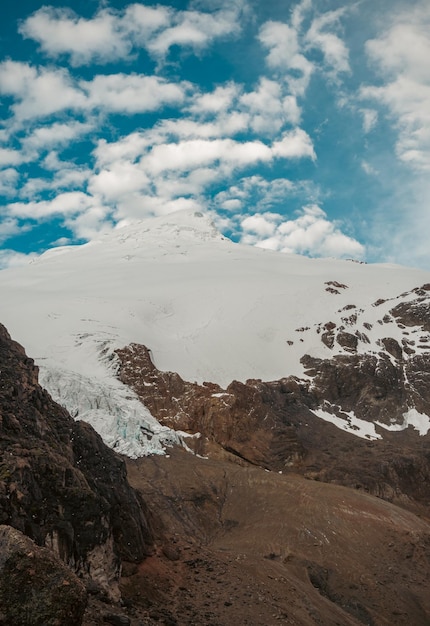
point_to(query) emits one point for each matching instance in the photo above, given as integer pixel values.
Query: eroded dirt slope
(241, 545)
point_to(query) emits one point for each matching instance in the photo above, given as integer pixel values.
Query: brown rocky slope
(253, 534)
(273, 424)
(246, 546)
(235, 541)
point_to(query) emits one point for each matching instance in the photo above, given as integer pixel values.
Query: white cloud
(289, 46)
(141, 22)
(147, 172)
(194, 183)
(121, 178)
(269, 109)
(231, 204)
(66, 176)
(60, 31)
(255, 191)
(8, 156)
(42, 92)
(311, 233)
(8, 228)
(11, 258)
(38, 92)
(188, 155)
(129, 147)
(370, 119)
(90, 223)
(225, 125)
(295, 144)
(331, 45)
(401, 56)
(285, 55)
(131, 93)
(195, 29)
(112, 35)
(299, 13)
(217, 101)
(136, 206)
(8, 181)
(57, 134)
(368, 168)
(261, 225)
(66, 203)
(227, 153)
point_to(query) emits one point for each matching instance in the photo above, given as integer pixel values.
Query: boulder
(35, 586)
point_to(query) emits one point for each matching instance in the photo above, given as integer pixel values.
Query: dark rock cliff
(60, 485)
(36, 587)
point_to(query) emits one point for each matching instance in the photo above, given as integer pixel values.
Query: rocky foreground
(207, 541)
(246, 546)
(68, 514)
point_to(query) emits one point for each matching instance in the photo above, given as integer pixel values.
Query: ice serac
(212, 310)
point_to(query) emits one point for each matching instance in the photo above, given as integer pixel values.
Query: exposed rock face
(59, 484)
(36, 587)
(274, 425)
(247, 421)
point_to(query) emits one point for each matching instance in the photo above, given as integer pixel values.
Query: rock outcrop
(60, 485)
(277, 425)
(36, 587)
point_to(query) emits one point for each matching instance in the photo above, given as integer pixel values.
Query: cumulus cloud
(56, 134)
(218, 101)
(187, 155)
(295, 144)
(261, 226)
(112, 35)
(41, 92)
(135, 206)
(122, 177)
(90, 223)
(229, 110)
(176, 161)
(60, 31)
(269, 108)
(194, 29)
(400, 55)
(9, 156)
(63, 204)
(310, 233)
(65, 176)
(131, 93)
(256, 191)
(170, 166)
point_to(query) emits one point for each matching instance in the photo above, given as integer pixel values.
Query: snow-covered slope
(207, 308)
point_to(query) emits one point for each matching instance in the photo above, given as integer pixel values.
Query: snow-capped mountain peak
(207, 308)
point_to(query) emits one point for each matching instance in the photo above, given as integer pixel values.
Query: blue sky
(302, 126)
